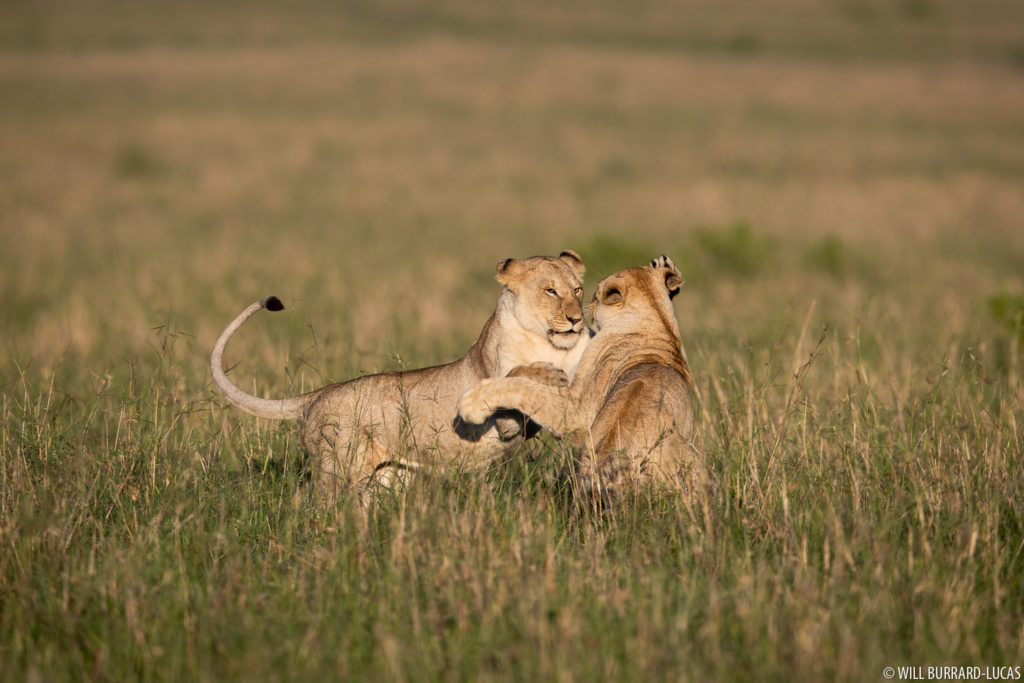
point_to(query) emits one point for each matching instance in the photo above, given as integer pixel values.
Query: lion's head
(548, 295)
(631, 298)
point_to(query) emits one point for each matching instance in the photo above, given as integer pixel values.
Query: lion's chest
(518, 346)
(525, 350)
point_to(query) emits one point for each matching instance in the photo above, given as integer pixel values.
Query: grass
(840, 185)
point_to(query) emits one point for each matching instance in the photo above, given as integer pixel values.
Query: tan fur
(628, 410)
(353, 429)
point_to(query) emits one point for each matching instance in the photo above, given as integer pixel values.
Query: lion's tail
(277, 409)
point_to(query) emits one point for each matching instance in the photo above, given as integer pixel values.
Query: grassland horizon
(838, 182)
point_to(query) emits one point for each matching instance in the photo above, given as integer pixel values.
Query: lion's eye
(578, 291)
(550, 291)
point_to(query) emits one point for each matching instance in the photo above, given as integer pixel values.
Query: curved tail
(276, 409)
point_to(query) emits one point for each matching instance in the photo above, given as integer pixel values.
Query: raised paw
(673, 278)
(473, 406)
(542, 372)
(664, 262)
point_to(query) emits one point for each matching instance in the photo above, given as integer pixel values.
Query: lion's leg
(344, 457)
(344, 467)
(391, 477)
(387, 478)
(546, 405)
(542, 372)
(677, 464)
(512, 423)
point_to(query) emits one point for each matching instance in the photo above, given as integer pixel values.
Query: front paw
(472, 407)
(508, 427)
(541, 372)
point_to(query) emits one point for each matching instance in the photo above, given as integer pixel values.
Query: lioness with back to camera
(628, 410)
(374, 428)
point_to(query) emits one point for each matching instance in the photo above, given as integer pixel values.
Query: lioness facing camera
(369, 428)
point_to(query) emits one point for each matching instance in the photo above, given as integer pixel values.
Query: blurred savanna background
(840, 181)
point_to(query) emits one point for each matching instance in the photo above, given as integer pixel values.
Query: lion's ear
(573, 260)
(673, 283)
(610, 296)
(508, 269)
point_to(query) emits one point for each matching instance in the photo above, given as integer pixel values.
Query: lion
(628, 412)
(373, 429)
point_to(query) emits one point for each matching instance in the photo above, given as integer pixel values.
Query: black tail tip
(272, 303)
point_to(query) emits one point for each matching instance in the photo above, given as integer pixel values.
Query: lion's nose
(575, 318)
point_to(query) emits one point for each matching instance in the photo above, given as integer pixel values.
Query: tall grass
(840, 184)
(858, 525)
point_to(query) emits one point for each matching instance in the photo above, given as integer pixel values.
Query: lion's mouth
(564, 339)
